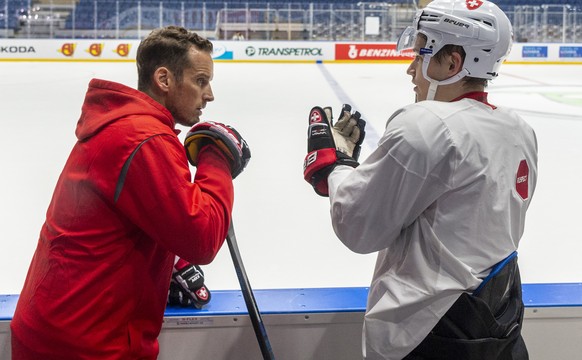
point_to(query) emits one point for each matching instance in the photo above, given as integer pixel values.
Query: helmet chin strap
(435, 83)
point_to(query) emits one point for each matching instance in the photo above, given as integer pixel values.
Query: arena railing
(542, 21)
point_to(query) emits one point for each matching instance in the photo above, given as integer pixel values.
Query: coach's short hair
(167, 47)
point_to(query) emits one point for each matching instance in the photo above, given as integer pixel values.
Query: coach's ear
(162, 79)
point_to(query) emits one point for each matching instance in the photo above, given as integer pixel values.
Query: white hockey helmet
(479, 26)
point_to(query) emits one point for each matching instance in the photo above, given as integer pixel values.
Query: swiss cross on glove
(329, 145)
(187, 286)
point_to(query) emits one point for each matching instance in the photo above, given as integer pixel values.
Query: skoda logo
(250, 51)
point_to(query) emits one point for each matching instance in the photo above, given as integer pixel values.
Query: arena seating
(534, 20)
(102, 12)
(11, 11)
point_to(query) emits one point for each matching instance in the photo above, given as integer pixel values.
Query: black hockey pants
(481, 326)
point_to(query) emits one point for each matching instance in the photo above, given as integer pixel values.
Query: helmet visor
(407, 39)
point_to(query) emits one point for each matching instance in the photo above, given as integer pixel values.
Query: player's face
(188, 97)
(436, 70)
(415, 70)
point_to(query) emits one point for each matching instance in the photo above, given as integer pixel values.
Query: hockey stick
(247, 292)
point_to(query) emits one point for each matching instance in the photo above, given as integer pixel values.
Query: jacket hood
(106, 102)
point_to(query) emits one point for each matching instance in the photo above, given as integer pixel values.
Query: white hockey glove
(348, 133)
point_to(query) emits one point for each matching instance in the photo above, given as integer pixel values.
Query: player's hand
(225, 137)
(187, 287)
(329, 145)
(348, 132)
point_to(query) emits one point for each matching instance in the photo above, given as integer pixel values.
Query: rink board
(326, 323)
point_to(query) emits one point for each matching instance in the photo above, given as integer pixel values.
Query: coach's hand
(187, 287)
(225, 137)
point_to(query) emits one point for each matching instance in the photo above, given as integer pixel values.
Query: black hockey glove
(187, 287)
(331, 144)
(225, 137)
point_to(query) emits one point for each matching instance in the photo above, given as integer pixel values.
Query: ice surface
(283, 228)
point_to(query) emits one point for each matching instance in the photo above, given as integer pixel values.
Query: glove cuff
(319, 164)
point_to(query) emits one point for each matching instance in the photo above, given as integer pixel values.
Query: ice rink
(283, 228)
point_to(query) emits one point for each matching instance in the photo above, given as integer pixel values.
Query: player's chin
(418, 96)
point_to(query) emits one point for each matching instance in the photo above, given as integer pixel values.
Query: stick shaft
(248, 296)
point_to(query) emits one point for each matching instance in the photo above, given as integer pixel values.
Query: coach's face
(186, 97)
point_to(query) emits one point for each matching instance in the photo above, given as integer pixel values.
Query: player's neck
(448, 93)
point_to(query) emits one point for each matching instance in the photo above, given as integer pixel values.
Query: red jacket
(123, 206)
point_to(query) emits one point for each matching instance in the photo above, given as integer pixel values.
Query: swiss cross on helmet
(479, 26)
(473, 4)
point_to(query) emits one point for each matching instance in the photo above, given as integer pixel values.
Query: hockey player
(125, 206)
(443, 197)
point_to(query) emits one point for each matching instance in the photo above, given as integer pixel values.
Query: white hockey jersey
(443, 198)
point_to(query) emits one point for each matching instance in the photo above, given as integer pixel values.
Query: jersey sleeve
(411, 167)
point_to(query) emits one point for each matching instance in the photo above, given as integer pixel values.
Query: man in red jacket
(125, 206)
